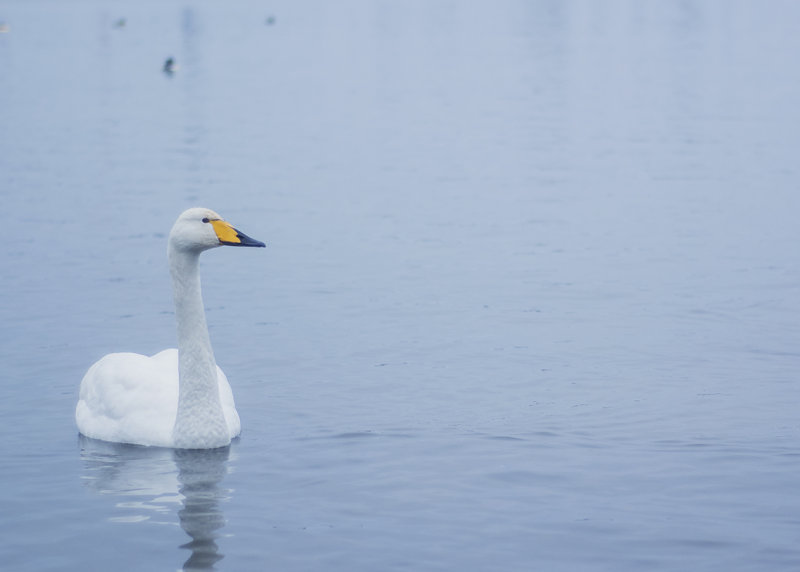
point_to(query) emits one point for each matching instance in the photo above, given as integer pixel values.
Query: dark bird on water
(169, 66)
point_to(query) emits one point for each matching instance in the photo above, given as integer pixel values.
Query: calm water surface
(530, 298)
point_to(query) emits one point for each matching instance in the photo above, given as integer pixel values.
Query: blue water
(529, 300)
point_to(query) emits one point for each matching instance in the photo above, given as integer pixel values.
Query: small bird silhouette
(170, 66)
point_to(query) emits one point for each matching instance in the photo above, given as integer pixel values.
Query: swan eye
(206, 219)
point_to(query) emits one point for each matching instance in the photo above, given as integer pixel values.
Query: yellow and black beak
(232, 237)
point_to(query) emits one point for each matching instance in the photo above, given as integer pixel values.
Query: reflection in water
(200, 472)
(153, 482)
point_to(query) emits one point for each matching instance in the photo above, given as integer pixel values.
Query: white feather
(178, 397)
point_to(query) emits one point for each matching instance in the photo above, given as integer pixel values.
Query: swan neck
(200, 422)
(189, 311)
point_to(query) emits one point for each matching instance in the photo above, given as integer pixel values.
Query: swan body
(132, 398)
(179, 397)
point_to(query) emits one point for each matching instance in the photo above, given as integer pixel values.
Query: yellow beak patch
(229, 235)
(225, 232)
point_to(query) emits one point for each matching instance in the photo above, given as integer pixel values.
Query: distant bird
(170, 66)
(176, 398)
(270, 20)
(120, 23)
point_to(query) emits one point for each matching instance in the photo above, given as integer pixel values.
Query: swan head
(200, 229)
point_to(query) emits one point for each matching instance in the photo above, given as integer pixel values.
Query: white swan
(176, 398)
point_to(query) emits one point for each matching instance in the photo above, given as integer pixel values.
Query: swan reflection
(152, 484)
(199, 473)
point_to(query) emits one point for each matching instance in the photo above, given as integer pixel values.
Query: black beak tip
(245, 240)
